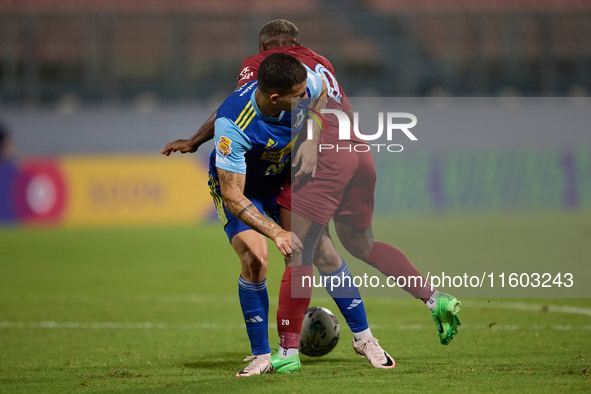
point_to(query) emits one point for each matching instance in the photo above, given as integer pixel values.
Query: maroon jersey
(320, 65)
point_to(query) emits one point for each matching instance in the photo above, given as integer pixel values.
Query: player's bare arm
(232, 188)
(308, 150)
(204, 134)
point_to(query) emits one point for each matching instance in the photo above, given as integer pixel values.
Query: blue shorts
(266, 203)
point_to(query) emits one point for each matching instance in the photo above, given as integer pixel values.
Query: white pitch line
(163, 299)
(191, 299)
(117, 325)
(228, 299)
(522, 306)
(218, 326)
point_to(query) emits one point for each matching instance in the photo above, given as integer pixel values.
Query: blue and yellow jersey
(247, 142)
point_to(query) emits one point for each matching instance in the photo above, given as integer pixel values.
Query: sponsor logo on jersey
(271, 144)
(222, 160)
(224, 146)
(277, 156)
(245, 74)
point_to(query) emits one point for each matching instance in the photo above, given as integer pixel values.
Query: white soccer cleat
(370, 349)
(260, 364)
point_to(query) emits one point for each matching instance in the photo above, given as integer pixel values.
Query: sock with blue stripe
(254, 301)
(347, 297)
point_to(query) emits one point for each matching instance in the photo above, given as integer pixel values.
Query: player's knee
(254, 266)
(327, 263)
(360, 250)
(322, 264)
(326, 258)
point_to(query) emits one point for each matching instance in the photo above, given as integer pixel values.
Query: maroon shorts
(343, 188)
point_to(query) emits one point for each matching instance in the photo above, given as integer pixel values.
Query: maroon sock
(291, 310)
(390, 261)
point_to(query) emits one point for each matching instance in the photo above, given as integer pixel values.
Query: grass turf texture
(183, 281)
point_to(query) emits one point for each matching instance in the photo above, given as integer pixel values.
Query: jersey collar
(256, 108)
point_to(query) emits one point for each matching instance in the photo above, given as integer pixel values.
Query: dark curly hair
(280, 27)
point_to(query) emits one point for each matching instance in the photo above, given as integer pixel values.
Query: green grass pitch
(156, 310)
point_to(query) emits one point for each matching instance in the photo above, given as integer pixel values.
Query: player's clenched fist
(288, 243)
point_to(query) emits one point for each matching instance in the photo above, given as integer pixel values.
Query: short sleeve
(231, 144)
(314, 83)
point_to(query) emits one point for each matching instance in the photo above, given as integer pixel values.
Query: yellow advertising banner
(134, 190)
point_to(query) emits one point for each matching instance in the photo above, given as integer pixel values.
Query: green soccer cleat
(445, 315)
(287, 364)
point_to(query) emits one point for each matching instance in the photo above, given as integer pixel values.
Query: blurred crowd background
(68, 52)
(118, 76)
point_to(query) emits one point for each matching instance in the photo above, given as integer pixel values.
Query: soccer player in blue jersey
(282, 36)
(253, 141)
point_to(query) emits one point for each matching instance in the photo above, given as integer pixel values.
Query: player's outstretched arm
(204, 134)
(307, 152)
(232, 188)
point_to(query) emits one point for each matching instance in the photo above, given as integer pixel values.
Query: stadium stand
(189, 49)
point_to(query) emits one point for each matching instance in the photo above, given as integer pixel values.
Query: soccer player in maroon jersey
(343, 190)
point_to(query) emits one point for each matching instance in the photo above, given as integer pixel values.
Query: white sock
(358, 336)
(287, 351)
(431, 302)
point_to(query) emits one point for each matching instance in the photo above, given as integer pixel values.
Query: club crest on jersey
(224, 146)
(299, 119)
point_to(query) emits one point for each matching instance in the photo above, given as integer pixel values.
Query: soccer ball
(320, 332)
